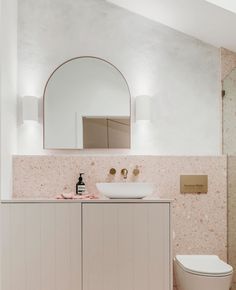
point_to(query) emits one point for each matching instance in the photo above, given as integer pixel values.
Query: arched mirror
(86, 105)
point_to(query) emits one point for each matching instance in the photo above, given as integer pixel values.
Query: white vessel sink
(125, 189)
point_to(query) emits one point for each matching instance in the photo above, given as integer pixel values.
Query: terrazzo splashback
(199, 221)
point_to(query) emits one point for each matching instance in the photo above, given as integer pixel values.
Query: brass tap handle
(112, 171)
(136, 172)
(124, 172)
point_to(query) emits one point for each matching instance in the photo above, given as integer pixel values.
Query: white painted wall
(180, 72)
(205, 20)
(8, 91)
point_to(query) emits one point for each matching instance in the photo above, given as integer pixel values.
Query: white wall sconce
(30, 110)
(143, 108)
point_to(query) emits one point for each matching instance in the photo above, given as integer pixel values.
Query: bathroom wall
(8, 92)
(228, 62)
(232, 214)
(181, 73)
(199, 220)
(229, 113)
(229, 101)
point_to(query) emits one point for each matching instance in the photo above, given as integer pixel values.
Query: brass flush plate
(193, 183)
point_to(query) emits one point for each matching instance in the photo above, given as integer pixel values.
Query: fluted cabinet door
(126, 246)
(41, 246)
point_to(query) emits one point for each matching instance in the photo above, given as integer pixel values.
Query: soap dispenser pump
(80, 185)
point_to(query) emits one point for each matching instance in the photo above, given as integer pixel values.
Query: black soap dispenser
(80, 185)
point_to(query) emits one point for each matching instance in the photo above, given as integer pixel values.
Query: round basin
(125, 189)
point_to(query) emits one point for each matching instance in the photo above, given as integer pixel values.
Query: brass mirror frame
(44, 93)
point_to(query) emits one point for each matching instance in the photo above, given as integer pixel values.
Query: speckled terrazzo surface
(232, 213)
(229, 114)
(199, 221)
(228, 62)
(228, 77)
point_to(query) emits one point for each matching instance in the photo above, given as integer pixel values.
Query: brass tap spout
(124, 172)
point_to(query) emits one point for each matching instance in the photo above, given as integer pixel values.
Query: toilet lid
(208, 265)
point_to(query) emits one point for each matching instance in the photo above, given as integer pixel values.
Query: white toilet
(202, 272)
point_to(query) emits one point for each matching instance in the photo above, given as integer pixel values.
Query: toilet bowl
(202, 272)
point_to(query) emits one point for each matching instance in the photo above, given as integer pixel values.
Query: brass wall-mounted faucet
(124, 172)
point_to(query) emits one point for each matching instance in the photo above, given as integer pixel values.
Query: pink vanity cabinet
(126, 245)
(91, 245)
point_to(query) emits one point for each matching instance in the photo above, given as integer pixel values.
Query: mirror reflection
(106, 132)
(86, 105)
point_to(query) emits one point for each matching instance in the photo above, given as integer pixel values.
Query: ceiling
(226, 4)
(212, 21)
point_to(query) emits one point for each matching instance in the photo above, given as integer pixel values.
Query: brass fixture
(193, 183)
(112, 171)
(124, 172)
(136, 172)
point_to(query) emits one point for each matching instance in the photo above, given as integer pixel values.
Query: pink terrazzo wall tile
(232, 213)
(199, 221)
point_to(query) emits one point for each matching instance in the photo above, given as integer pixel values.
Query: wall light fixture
(30, 109)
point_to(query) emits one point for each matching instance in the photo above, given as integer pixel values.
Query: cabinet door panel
(160, 262)
(41, 246)
(33, 246)
(48, 245)
(13, 259)
(126, 246)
